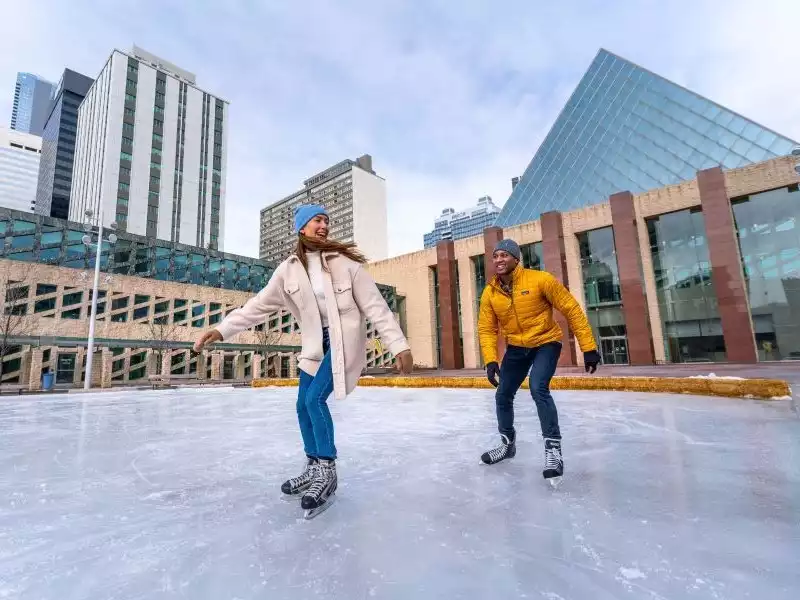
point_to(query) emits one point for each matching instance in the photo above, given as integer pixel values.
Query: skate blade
(555, 482)
(315, 512)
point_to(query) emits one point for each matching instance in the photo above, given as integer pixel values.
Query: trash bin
(47, 380)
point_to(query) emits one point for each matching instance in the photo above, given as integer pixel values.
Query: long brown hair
(306, 244)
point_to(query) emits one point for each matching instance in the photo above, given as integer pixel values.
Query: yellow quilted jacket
(526, 316)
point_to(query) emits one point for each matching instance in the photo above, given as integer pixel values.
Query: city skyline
(449, 116)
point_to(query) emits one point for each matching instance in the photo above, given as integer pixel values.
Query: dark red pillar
(452, 352)
(629, 264)
(726, 267)
(492, 235)
(555, 262)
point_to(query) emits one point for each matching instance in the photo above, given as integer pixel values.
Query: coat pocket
(291, 288)
(343, 292)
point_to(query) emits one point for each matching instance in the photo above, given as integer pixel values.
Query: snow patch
(633, 573)
(715, 376)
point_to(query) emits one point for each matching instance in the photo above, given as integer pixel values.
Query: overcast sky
(451, 98)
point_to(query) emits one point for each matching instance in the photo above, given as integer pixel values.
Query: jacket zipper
(513, 308)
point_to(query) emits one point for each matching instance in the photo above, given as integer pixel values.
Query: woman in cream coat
(329, 293)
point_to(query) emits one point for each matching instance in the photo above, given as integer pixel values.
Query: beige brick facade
(408, 272)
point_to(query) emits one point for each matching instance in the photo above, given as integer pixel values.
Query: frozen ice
(175, 494)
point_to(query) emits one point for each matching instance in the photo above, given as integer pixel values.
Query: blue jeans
(316, 425)
(541, 362)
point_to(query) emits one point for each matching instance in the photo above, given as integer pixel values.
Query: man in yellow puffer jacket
(520, 302)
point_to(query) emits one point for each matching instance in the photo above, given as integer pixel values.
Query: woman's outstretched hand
(208, 337)
(404, 362)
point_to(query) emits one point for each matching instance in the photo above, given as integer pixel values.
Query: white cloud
(451, 101)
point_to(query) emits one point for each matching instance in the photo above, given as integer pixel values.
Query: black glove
(590, 360)
(492, 373)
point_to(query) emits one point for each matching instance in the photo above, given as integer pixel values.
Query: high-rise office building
(452, 225)
(19, 167)
(354, 197)
(626, 128)
(32, 96)
(58, 145)
(151, 151)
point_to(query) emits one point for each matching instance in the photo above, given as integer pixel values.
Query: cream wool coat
(351, 297)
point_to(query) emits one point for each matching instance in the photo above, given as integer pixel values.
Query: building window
(768, 230)
(158, 138)
(129, 112)
(123, 187)
(686, 296)
(160, 96)
(125, 156)
(127, 128)
(122, 201)
(602, 293)
(158, 110)
(532, 256)
(125, 171)
(127, 140)
(130, 97)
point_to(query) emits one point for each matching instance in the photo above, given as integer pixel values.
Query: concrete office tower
(152, 151)
(452, 225)
(19, 168)
(353, 195)
(58, 145)
(32, 96)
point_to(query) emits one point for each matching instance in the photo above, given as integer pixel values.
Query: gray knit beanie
(509, 246)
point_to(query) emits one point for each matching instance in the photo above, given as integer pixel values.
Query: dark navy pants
(517, 362)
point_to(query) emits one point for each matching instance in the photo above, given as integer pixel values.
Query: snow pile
(715, 376)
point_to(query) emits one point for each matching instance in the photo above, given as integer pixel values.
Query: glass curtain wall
(602, 293)
(768, 228)
(532, 256)
(686, 296)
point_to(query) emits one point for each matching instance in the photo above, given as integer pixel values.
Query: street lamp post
(87, 240)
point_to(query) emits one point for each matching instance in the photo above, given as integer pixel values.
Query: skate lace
(303, 477)
(499, 452)
(322, 476)
(552, 458)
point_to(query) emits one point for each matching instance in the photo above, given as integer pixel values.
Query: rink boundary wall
(762, 389)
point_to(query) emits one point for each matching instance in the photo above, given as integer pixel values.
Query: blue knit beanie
(303, 214)
(509, 246)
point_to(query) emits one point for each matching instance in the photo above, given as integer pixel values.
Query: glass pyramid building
(625, 128)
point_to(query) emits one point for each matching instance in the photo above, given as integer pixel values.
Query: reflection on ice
(176, 495)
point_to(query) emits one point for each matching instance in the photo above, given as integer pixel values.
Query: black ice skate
(319, 496)
(297, 485)
(506, 449)
(553, 462)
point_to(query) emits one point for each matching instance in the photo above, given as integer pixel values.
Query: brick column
(492, 235)
(238, 365)
(106, 369)
(726, 268)
(166, 362)
(629, 264)
(152, 363)
(202, 365)
(452, 352)
(216, 366)
(33, 372)
(97, 368)
(256, 366)
(293, 365)
(80, 355)
(555, 262)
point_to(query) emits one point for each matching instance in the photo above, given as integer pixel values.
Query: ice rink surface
(175, 494)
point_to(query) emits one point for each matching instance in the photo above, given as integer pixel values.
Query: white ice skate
(315, 512)
(319, 496)
(553, 462)
(293, 489)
